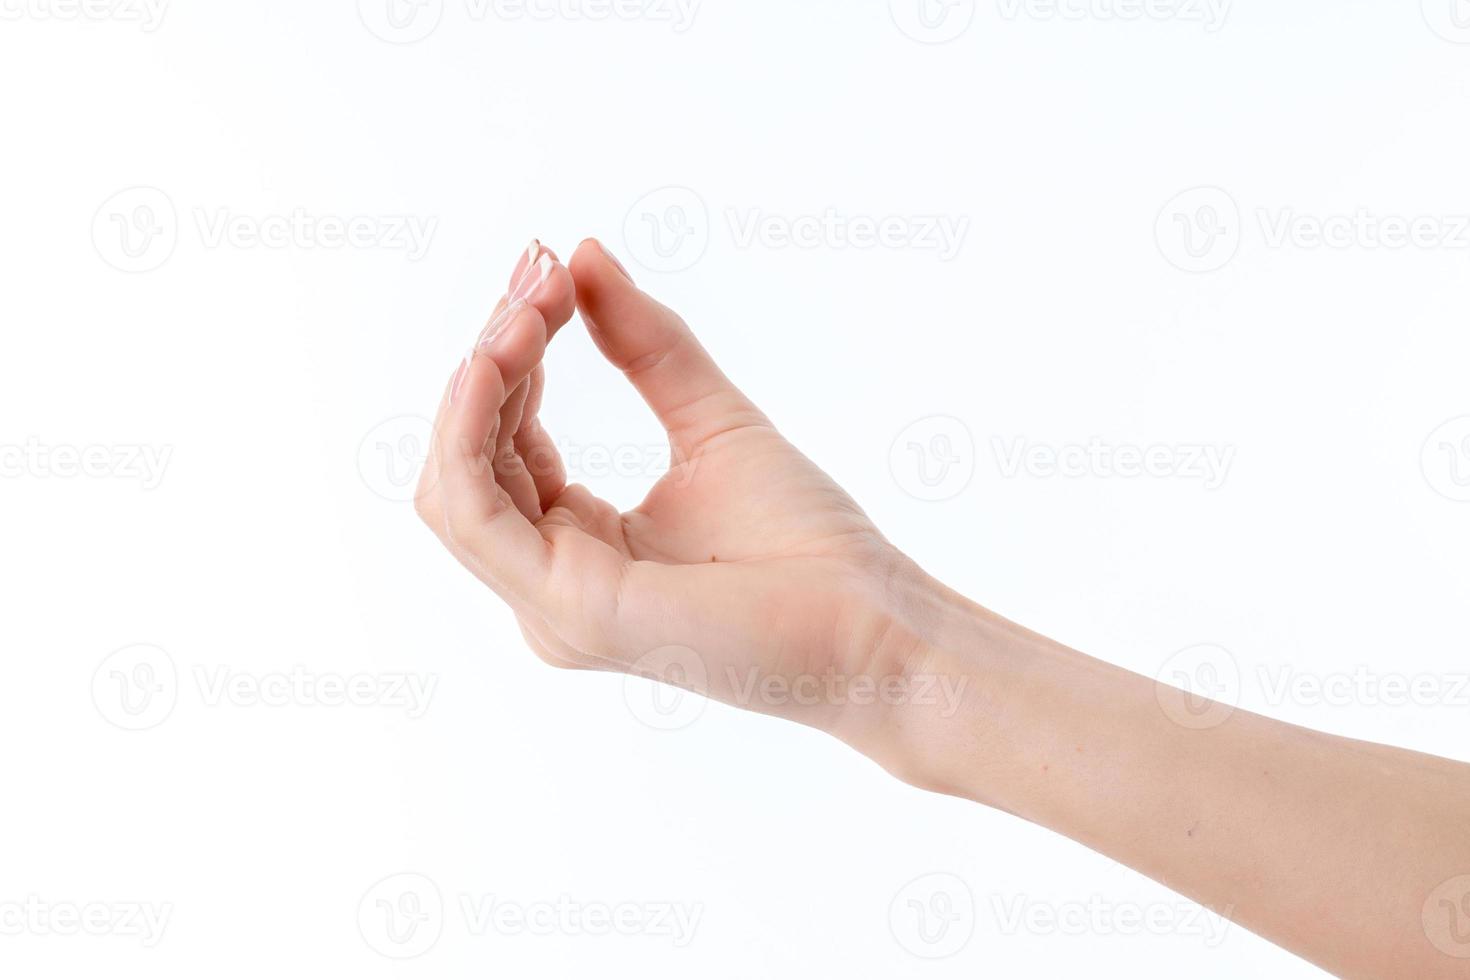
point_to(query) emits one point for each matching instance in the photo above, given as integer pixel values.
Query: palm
(744, 495)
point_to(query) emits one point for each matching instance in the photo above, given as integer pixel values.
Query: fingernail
(614, 260)
(498, 323)
(532, 279)
(527, 259)
(459, 375)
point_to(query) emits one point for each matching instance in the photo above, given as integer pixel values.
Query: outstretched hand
(744, 563)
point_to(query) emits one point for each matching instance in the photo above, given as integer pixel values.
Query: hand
(746, 573)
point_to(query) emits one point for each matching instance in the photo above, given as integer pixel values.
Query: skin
(749, 576)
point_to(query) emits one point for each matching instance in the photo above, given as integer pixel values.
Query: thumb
(650, 344)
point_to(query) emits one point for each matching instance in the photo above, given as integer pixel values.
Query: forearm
(1327, 846)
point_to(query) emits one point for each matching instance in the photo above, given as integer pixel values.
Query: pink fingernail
(459, 376)
(614, 260)
(527, 259)
(500, 321)
(532, 279)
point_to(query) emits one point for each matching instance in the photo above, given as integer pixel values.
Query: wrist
(982, 696)
(937, 656)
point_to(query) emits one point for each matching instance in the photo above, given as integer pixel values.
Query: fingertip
(518, 343)
(557, 299)
(593, 267)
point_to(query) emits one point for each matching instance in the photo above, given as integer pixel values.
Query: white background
(275, 380)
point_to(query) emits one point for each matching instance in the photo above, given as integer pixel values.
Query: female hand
(746, 573)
